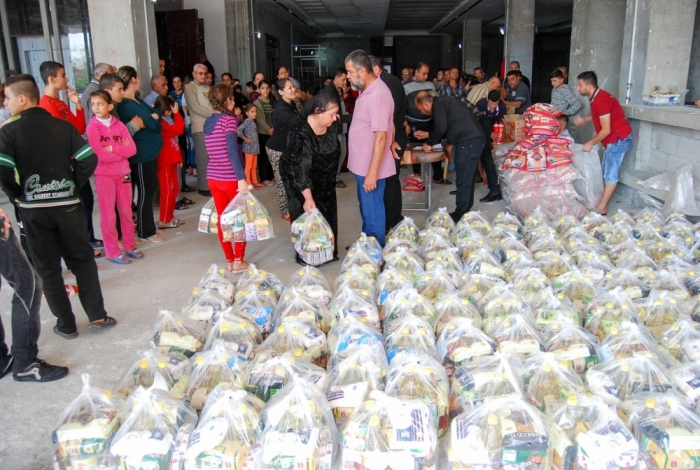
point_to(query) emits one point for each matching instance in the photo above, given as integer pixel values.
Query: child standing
(248, 131)
(169, 160)
(113, 145)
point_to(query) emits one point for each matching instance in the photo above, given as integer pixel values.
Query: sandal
(175, 223)
(270, 183)
(287, 217)
(97, 253)
(135, 254)
(97, 244)
(155, 239)
(188, 189)
(107, 321)
(189, 202)
(121, 259)
(179, 206)
(65, 335)
(340, 184)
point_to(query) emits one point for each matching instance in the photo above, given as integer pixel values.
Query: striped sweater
(221, 140)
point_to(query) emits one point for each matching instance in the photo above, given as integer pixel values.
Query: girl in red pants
(225, 173)
(169, 160)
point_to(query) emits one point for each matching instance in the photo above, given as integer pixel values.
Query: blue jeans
(26, 303)
(372, 209)
(614, 153)
(466, 155)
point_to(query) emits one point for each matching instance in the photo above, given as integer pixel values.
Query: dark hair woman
(309, 162)
(148, 144)
(263, 102)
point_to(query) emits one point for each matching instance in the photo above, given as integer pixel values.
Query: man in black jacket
(458, 125)
(335, 90)
(40, 148)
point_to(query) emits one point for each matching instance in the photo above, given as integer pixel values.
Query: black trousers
(87, 199)
(486, 157)
(392, 193)
(145, 182)
(437, 166)
(466, 156)
(265, 172)
(57, 233)
(26, 303)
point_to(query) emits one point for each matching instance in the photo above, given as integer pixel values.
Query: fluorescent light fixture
(257, 34)
(502, 30)
(460, 45)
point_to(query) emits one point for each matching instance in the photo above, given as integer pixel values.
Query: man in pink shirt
(369, 142)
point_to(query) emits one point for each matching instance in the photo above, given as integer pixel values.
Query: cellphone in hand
(2, 228)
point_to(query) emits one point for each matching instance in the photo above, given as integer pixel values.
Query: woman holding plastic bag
(310, 162)
(225, 173)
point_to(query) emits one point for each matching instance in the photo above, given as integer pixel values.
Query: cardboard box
(510, 109)
(514, 127)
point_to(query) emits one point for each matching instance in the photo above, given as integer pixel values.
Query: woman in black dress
(309, 162)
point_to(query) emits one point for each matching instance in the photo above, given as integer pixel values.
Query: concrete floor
(133, 295)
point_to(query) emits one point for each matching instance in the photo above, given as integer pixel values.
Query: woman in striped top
(225, 173)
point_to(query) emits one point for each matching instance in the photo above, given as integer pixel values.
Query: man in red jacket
(55, 80)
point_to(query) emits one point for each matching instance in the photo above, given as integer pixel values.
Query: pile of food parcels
(532, 343)
(546, 169)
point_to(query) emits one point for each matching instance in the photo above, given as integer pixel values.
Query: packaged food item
(579, 243)
(517, 263)
(227, 432)
(594, 265)
(577, 287)
(630, 339)
(422, 377)
(680, 268)
(448, 260)
(359, 304)
(295, 334)
(434, 241)
(268, 373)
(529, 283)
(298, 430)
(550, 306)
(215, 280)
(659, 312)
(154, 433)
(571, 344)
(236, 334)
(409, 335)
(547, 380)
(572, 413)
(370, 245)
(177, 333)
(648, 232)
(497, 236)
(439, 218)
(313, 238)
(669, 438)
(609, 311)
(663, 281)
(387, 432)
(593, 220)
(355, 279)
(468, 240)
(359, 256)
(406, 261)
(507, 221)
(500, 303)
(451, 306)
(531, 236)
(476, 286)
(535, 220)
(310, 282)
(648, 214)
(204, 306)
(352, 333)
(148, 371)
(295, 306)
(436, 282)
(548, 244)
(83, 433)
(503, 433)
(392, 244)
(636, 262)
(255, 279)
(353, 379)
(681, 340)
(618, 379)
(518, 335)
(476, 220)
(511, 246)
(245, 219)
(406, 229)
(404, 302)
(565, 223)
(555, 265)
(634, 287)
(211, 368)
(462, 341)
(680, 228)
(389, 280)
(255, 305)
(614, 234)
(208, 218)
(486, 377)
(686, 378)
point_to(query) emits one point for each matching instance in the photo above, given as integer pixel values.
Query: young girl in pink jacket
(111, 142)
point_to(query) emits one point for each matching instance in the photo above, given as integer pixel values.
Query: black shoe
(455, 217)
(491, 197)
(6, 365)
(41, 371)
(205, 193)
(453, 192)
(442, 181)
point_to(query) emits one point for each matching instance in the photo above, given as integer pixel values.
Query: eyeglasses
(404, 73)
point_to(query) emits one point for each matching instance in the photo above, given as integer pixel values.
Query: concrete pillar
(471, 45)
(656, 50)
(124, 33)
(596, 44)
(520, 34)
(240, 31)
(213, 12)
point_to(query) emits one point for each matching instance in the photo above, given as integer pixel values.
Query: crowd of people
(234, 141)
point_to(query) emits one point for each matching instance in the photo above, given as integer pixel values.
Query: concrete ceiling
(329, 18)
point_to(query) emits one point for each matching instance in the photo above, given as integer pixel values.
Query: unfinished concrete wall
(694, 63)
(338, 48)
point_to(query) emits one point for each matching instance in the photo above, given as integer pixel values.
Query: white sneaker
(250, 187)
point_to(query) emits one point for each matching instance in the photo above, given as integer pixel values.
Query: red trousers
(169, 189)
(223, 192)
